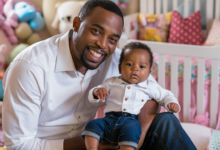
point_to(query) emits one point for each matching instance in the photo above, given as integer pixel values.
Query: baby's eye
(142, 66)
(129, 64)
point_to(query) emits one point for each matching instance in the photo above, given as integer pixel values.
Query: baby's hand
(173, 107)
(101, 93)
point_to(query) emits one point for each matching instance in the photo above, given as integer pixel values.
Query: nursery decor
(66, 12)
(214, 34)
(186, 31)
(3, 56)
(154, 27)
(16, 51)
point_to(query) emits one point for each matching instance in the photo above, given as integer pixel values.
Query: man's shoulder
(40, 52)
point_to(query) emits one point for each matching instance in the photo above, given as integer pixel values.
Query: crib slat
(175, 4)
(143, 6)
(214, 93)
(186, 89)
(197, 5)
(161, 71)
(165, 6)
(186, 8)
(158, 4)
(209, 14)
(217, 9)
(174, 75)
(200, 85)
(174, 78)
(150, 7)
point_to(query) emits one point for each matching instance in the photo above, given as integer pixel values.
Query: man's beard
(84, 62)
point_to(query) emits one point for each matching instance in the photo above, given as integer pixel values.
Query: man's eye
(142, 66)
(95, 32)
(129, 64)
(113, 41)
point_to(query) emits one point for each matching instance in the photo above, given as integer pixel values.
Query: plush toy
(11, 16)
(66, 12)
(27, 13)
(202, 119)
(122, 3)
(3, 56)
(16, 51)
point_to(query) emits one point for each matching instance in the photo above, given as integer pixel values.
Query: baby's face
(135, 66)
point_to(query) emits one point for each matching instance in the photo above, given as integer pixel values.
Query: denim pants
(166, 133)
(116, 128)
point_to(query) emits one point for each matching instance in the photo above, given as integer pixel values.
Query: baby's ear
(119, 68)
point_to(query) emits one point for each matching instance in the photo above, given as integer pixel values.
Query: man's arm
(145, 117)
(21, 108)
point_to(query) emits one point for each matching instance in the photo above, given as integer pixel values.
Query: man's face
(97, 37)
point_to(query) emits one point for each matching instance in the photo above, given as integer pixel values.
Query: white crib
(188, 51)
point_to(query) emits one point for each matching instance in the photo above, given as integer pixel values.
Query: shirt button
(79, 117)
(124, 109)
(142, 100)
(128, 87)
(126, 99)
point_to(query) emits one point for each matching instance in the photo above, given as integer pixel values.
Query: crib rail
(188, 51)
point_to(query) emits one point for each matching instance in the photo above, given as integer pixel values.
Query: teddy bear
(66, 12)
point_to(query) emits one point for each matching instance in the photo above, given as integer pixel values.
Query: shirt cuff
(91, 96)
(54, 145)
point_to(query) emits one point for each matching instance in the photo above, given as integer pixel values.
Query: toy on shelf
(8, 31)
(30, 22)
(122, 3)
(11, 16)
(66, 12)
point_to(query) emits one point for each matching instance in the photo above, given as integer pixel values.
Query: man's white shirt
(46, 99)
(124, 97)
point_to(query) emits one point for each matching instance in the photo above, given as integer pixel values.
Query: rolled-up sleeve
(24, 85)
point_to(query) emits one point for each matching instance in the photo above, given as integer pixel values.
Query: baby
(124, 97)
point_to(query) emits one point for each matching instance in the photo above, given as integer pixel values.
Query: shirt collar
(143, 84)
(64, 61)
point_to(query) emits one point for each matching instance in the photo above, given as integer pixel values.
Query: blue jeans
(166, 133)
(116, 128)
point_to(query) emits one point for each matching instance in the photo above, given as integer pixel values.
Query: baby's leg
(91, 143)
(125, 147)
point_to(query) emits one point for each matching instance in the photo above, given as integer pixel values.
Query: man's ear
(119, 68)
(76, 23)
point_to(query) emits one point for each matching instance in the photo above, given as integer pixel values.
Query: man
(46, 87)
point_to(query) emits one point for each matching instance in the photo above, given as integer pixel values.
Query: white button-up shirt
(46, 98)
(124, 97)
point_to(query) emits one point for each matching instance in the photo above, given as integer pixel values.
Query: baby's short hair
(136, 45)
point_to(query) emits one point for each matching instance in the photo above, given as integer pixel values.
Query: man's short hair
(105, 4)
(137, 45)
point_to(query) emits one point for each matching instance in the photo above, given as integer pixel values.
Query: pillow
(186, 31)
(214, 34)
(214, 142)
(154, 27)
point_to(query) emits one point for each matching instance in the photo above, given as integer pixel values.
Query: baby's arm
(98, 94)
(164, 97)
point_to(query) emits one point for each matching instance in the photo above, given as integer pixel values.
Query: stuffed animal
(27, 13)
(66, 12)
(201, 119)
(16, 51)
(11, 16)
(122, 3)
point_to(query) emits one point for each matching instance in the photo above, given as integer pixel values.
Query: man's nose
(102, 42)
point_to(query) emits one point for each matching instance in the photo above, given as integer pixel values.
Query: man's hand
(104, 146)
(173, 107)
(100, 93)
